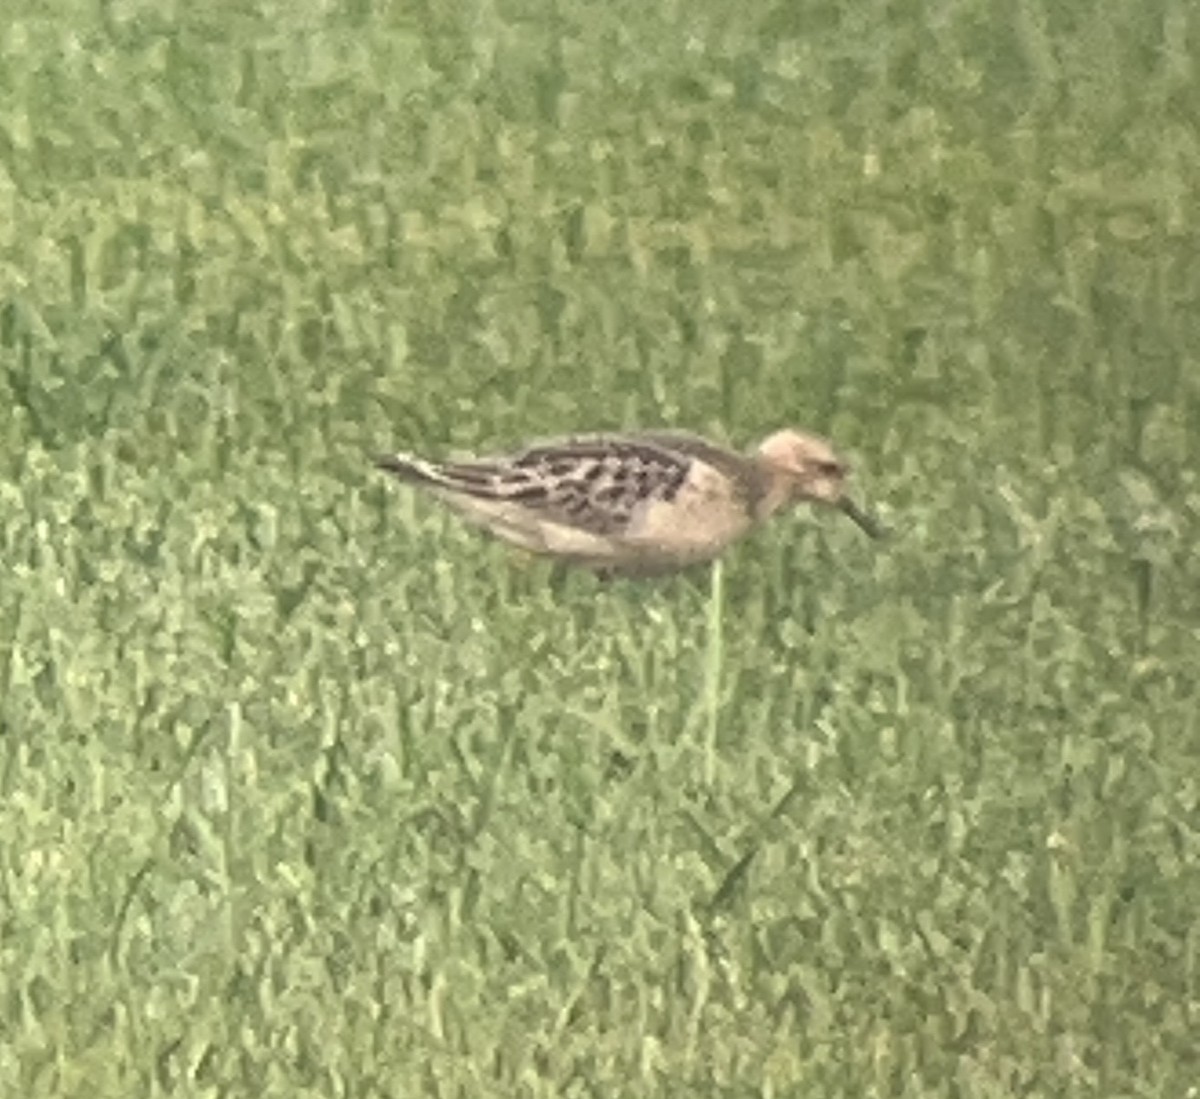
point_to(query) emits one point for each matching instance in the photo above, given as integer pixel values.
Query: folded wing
(595, 484)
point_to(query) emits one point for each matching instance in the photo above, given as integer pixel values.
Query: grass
(305, 789)
(714, 656)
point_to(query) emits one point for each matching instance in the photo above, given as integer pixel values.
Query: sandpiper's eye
(831, 469)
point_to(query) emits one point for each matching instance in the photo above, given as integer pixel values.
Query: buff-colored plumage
(637, 503)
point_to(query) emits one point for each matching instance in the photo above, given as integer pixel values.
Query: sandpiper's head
(814, 472)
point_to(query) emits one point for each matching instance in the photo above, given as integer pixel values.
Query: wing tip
(405, 466)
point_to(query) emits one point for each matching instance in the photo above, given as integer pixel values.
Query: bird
(638, 503)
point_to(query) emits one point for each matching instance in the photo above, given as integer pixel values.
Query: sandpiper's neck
(775, 491)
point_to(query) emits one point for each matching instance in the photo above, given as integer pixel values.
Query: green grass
(307, 790)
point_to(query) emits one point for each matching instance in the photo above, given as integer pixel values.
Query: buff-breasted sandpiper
(636, 503)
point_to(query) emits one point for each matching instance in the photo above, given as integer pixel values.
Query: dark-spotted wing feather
(598, 483)
(592, 483)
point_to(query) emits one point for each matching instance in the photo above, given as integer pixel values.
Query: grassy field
(306, 790)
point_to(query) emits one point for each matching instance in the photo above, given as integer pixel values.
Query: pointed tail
(484, 480)
(410, 469)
